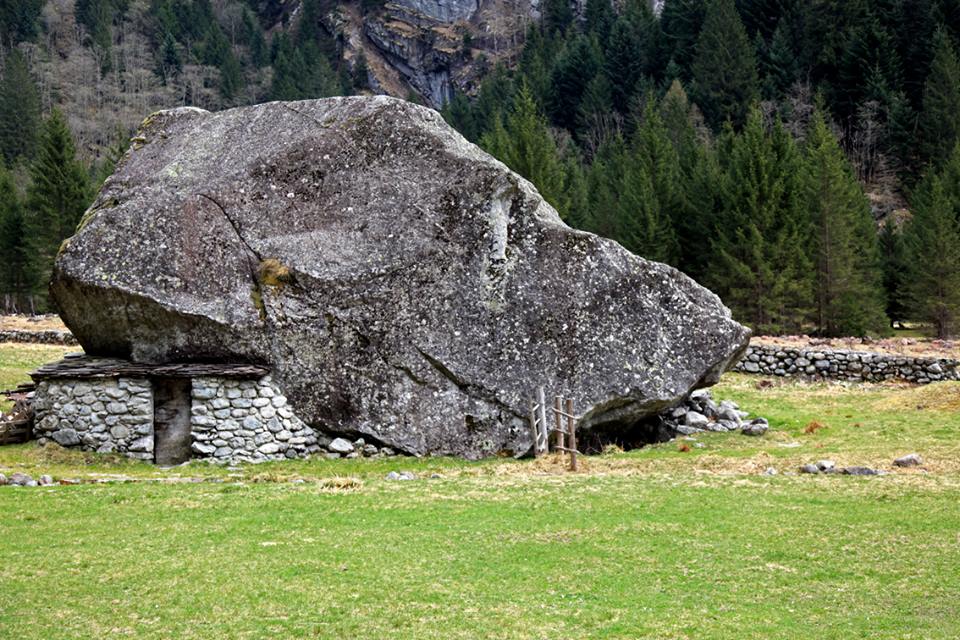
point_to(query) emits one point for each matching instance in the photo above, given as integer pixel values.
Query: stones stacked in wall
(99, 414)
(37, 337)
(246, 420)
(861, 366)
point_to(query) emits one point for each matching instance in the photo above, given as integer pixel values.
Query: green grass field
(654, 543)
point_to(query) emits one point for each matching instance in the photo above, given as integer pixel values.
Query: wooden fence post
(559, 442)
(572, 439)
(544, 429)
(534, 434)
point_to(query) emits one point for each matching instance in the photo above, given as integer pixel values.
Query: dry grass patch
(16, 322)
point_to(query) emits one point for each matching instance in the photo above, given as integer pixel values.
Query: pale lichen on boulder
(402, 284)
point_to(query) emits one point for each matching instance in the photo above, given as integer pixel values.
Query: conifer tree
(360, 73)
(655, 183)
(557, 17)
(724, 69)
(940, 120)
(779, 64)
(682, 21)
(895, 268)
(848, 281)
(573, 71)
(58, 195)
(169, 62)
(575, 203)
(495, 97)
(19, 110)
(458, 113)
(599, 18)
(253, 35)
(18, 21)
(16, 272)
(523, 142)
(762, 271)
(932, 246)
(595, 116)
(623, 63)
(604, 180)
(643, 226)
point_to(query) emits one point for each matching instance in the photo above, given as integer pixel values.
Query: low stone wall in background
(48, 336)
(860, 366)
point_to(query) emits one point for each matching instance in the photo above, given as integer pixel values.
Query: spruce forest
(800, 158)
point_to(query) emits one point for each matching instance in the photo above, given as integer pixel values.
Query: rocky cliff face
(401, 283)
(424, 41)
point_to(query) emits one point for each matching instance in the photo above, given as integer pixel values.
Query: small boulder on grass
(756, 427)
(909, 460)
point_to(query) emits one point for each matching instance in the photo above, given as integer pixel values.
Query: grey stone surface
(66, 437)
(131, 432)
(85, 413)
(699, 412)
(20, 479)
(909, 460)
(861, 471)
(400, 282)
(694, 419)
(340, 445)
(754, 428)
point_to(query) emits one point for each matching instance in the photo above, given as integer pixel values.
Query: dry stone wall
(860, 366)
(231, 420)
(102, 414)
(37, 337)
(246, 420)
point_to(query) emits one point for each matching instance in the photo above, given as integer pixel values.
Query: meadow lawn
(687, 539)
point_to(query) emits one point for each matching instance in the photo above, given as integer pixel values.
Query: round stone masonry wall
(105, 415)
(246, 420)
(858, 366)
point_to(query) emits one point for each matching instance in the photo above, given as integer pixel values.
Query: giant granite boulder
(402, 284)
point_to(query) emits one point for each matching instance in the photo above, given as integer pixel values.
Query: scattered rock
(3, 479)
(45, 481)
(755, 428)
(66, 437)
(769, 471)
(694, 419)
(340, 445)
(826, 465)
(699, 412)
(20, 479)
(809, 468)
(402, 475)
(909, 460)
(860, 471)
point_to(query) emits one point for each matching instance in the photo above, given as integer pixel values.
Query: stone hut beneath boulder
(168, 413)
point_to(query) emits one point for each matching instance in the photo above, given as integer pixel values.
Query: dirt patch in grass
(913, 347)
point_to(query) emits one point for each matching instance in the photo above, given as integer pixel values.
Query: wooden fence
(17, 425)
(564, 436)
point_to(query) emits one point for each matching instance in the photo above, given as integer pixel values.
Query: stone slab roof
(79, 365)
